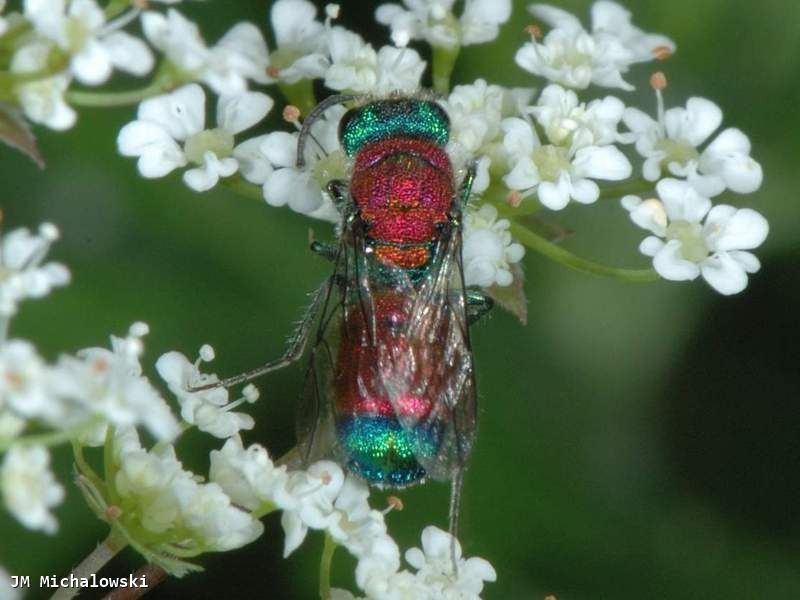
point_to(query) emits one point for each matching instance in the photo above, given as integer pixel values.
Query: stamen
(291, 114)
(514, 199)
(101, 365)
(658, 81)
(662, 53)
(393, 503)
(534, 31)
(113, 513)
(273, 71)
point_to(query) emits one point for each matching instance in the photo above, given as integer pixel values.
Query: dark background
(635, 441)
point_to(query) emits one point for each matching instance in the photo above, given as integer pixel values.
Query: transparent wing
(386, 345)
(435, 365)
(348, 291)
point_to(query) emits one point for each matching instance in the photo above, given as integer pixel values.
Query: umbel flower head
(691, 238)
(576, 58)
(170, 133)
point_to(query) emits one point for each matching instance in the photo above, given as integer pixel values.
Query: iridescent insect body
(390, 388)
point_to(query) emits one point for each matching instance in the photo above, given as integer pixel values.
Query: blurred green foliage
(635, 441)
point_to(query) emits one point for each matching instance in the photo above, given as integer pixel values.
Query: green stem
(444, 61)
(635, 187)
(50, 438)
(110, 466)
(300, 94)
(95, 561)
(565, 257)
(112, 99)
(325, 567)
(84, 467)
(244, 188)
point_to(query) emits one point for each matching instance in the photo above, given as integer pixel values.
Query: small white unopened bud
(332, 11)
(49, 231)
(206, 353)
(139, 329)
(250, 393)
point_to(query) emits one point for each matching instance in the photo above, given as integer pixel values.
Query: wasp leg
(294, 346)
(456, 484)
(325, 250)
(338, 190)
(478, 304)
(466, 186)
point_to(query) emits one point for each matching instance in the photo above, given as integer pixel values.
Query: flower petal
(242, 111)
(724, 274)
(128, 53)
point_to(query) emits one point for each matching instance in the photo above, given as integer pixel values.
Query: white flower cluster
(77, 398)
(171, 505)
(558, 148)
(323, 498)
(22, 274)
(574, 57)
(552, 146)
(435, 23)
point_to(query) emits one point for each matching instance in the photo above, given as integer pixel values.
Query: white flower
(22, 274)
(692, 238)
(209, 410)
(356, 67)
(488, 250)
(476, 111)
(7, 592)
(569, 122)
(576, 58)
(359, 525)
(143, 481)
(109, 384)
(434, 564)
(95, 48)
(240, 55)
(434, 21)
(310, 502)
(180, 117)
(673, 143)
(273, 166)
(215, 524)
(42, 100)
(558, 173)
(29, 489)
(301, 40)
(247, 475)
(24, 390)
(165, 499)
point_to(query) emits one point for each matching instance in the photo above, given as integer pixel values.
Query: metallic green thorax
(387, 118)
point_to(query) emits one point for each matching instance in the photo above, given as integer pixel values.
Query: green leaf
(14, 131)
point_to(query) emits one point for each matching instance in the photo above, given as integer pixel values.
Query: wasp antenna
(305, 130)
